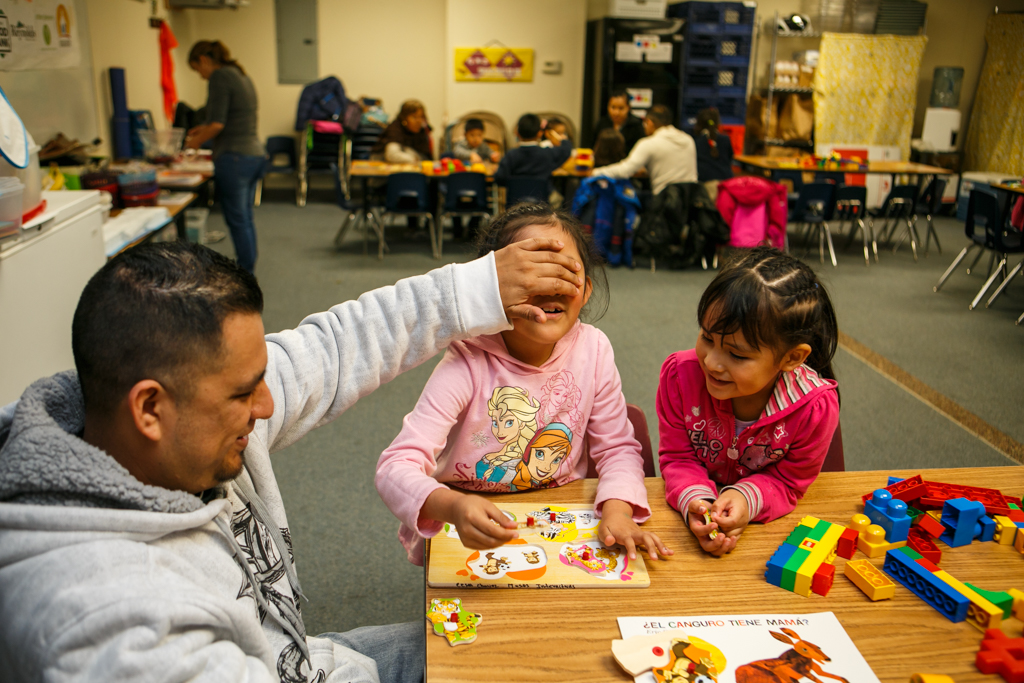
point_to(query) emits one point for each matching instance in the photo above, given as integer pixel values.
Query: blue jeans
(400, 650)
(236, 176)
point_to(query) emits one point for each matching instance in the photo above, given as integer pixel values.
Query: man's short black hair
(528, 126)
(474, 124)
(660, 115)
(619, 92)
(156, 312)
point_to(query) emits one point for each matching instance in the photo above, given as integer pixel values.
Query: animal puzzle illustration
(801, 661)
(545, 533)
(689, 663)
(452, 622)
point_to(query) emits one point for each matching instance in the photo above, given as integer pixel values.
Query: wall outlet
(554, 67)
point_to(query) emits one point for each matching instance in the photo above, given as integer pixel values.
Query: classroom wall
(555, 31)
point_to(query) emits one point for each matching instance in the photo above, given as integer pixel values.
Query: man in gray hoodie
(142, 532)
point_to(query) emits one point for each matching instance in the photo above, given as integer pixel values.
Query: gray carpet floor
(352, 566)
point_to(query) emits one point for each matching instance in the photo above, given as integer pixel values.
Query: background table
(565, 635)
(774, 164)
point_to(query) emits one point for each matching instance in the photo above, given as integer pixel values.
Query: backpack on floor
(609, 209)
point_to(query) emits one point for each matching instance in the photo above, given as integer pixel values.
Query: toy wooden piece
(930, 678)
(873, 544)
(452, 622)
(707, 520)
(872, 582)
(687, 663)
(928, 523)
(1003, 655)
(1005, 530)
(640, 654)
(847, 545)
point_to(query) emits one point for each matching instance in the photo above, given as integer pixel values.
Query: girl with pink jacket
(524, 409)
(747, 417)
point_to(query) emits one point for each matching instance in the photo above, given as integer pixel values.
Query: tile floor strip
(1000, 441)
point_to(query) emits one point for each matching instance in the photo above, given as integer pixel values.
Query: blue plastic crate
(702, 49)
(701, 17)
(734, 49)
(737, 17)
(731, 81)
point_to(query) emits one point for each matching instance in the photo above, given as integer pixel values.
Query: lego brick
(1005, 530)
(798, 534)
(847, 545)
(1018, 541)
(927, 564)
(930, 524)
(913, 513)
(867, 577)
(922, 583)
(792, 567)
(777, 564)
(930, 678)
(960, 517)
(823, 552)
(873, 544)
(809, 521)
(988, 527)
(890, 514)
(992, 499)
(1015, 515)
(907, 490)
(893, 480)
(1003, 655)
(1001, 599)
(821, 582)
(923, 543)
(1018, 603)
(860, 523)
(935, 514)
(982, 614)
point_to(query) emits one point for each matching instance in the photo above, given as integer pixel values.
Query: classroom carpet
(352, 567)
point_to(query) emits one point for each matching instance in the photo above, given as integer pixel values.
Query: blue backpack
(609, 208)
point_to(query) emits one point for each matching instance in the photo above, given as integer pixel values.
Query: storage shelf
(789, 89)
(800, 144)
(806, 34)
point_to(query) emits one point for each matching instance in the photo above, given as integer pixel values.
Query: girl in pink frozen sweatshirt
(747, 417)
(524, 409)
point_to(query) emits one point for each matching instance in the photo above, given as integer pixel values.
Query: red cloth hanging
(167, 43)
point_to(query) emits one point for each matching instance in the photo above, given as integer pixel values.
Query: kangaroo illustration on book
(801, 661)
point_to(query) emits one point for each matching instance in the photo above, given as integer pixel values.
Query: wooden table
(176, 216)
(560, 635)
(1016, 189)
(775, 164)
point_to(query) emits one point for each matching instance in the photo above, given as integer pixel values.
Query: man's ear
(795, 357)
(152, 408)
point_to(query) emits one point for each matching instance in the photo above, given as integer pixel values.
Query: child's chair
(851, 203)
(898, 206)
(636, 417)
(815, 208)
(279, 146)
(465, 196)
(407, 196)
(930, 203)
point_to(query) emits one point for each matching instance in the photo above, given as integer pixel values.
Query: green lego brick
(909, 552)
(792, 566)
(798, 534)
(1014, 506)
(1000, 599)
(913, 512)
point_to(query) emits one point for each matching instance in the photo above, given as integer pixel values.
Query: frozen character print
(560, 400)
(542, 457)
(513, 423)
(759, 456)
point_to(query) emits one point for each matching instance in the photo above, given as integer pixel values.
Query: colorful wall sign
(494, 64)
(38, 35)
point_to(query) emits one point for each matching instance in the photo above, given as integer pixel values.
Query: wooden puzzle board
(562, 554)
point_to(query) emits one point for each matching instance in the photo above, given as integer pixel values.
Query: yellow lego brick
(937, 514)
(981, 613)
(930, 678)
(1018, 603)
(825, 547)
(809, 521)
(1019, 542)
(873, 544)
(1005, 530)
(870, 579)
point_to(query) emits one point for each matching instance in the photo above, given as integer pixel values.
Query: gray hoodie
(105, 578)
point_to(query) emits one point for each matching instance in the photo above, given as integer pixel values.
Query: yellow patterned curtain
(995, 138)
(865, 90)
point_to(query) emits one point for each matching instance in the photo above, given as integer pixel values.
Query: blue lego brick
(890, 514)
(893, 480)
(940, 595)
(777, 563)
(961, 519)
(988, 528)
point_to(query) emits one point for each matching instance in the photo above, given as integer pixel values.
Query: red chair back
(834, 461)
(636, 417)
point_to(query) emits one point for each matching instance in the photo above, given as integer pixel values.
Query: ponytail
(216, 51)
(777, 301)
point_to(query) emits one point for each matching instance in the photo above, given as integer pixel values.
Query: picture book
(745, 648)
(557, 548)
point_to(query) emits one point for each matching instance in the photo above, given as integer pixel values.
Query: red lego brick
(1003, 655)
(907, 490)
(821, 582)
(929, 524)
(920, 541)
(848, 544)
(993, 500)
(1014, 515)
(924, 562)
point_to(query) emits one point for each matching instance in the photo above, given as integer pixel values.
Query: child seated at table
(472, 149)
(746, 418)
(557, 125)
(524, 409)
(529, 158)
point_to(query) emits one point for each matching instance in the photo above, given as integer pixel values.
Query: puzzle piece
(452, 622)
(640, 654)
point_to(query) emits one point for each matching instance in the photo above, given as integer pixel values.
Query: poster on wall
(494, 64)
(42, 34)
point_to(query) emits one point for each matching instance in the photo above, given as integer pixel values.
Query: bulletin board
(494, 64)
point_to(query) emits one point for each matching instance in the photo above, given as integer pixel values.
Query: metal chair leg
(952, 266)
(346, 223)
(1020, 319)
(259, 192)
(821, 244)
(975, 261)
(874, 243)
(931, 232)
(831, 247)
(300, 198)
(988, 283)
(1003, 285)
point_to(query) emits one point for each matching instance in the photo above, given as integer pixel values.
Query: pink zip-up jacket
(488, 422)
(771, 462)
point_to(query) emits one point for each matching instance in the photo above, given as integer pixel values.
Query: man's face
(474, 138)
(211, 429)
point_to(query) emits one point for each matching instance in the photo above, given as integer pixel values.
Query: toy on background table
(929, 524)
(929, 495)
(803, 563)
(1003, 655)
(452, 622)
(872, 582)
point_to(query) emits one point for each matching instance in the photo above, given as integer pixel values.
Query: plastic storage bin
(11, 192)
(30, 176)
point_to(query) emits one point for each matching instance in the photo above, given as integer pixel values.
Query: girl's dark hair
(610, 148)
(707, 124)
(216, 51)
(777, 302)
(505, 229)
(411, 108)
